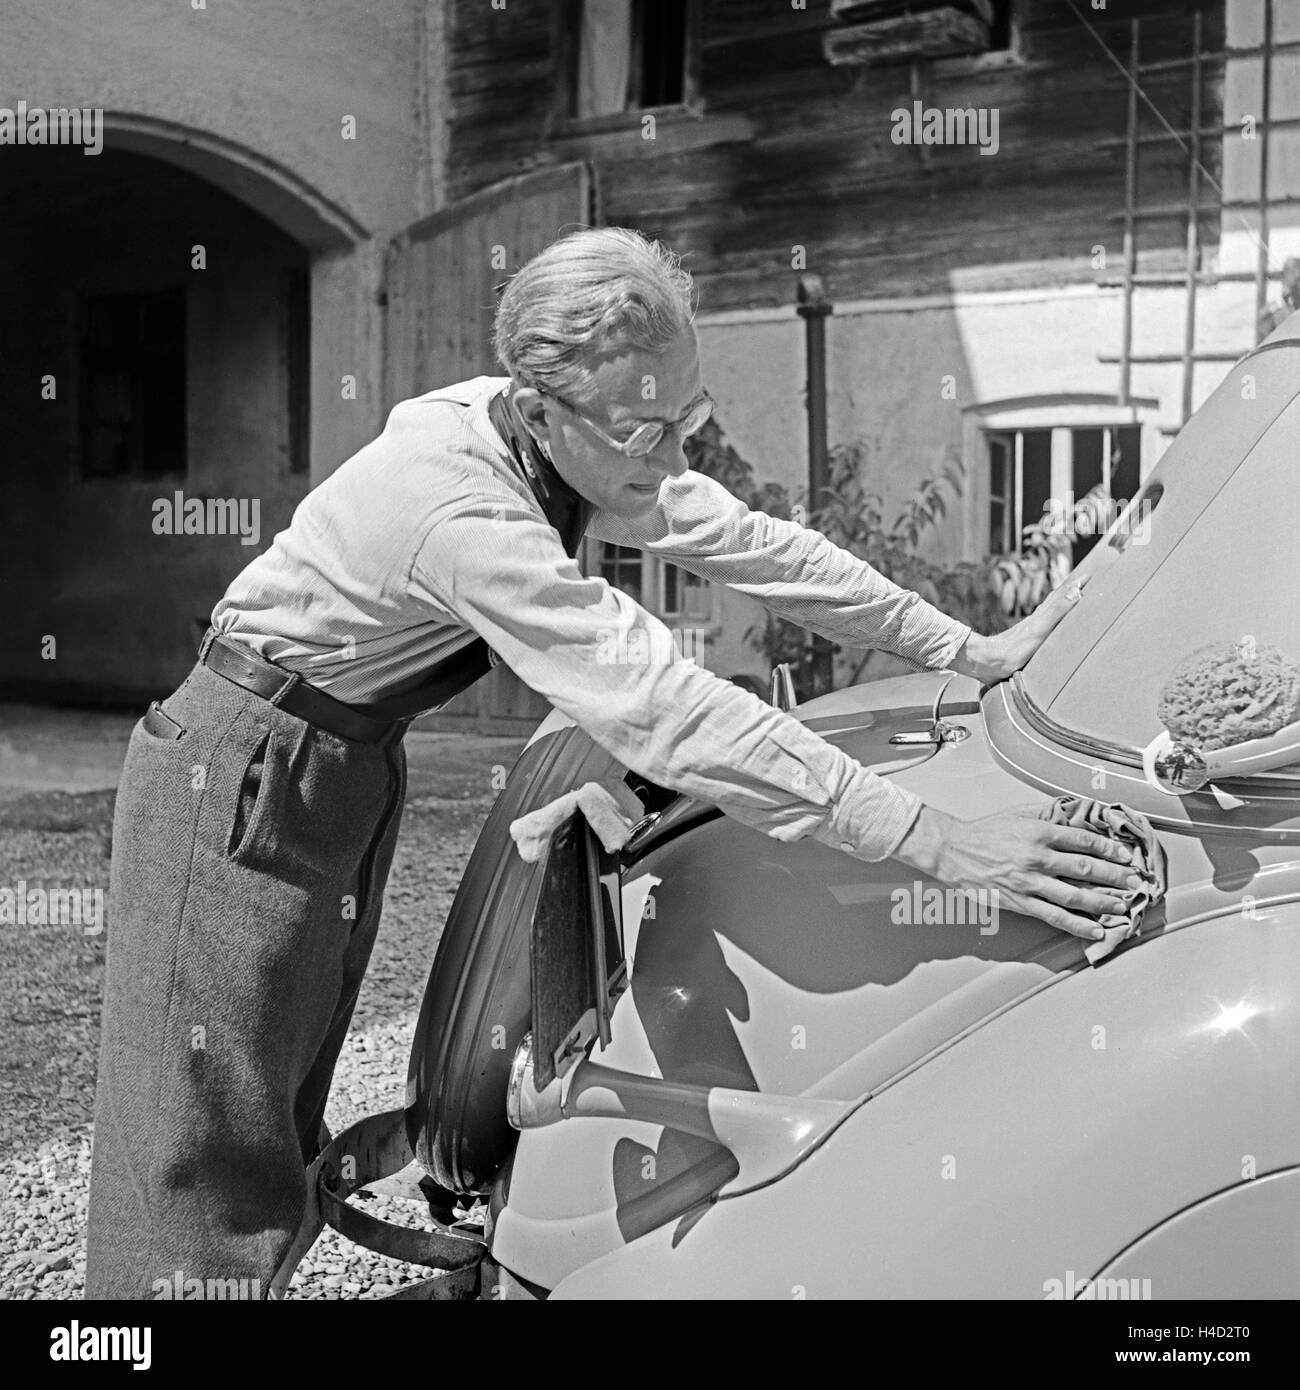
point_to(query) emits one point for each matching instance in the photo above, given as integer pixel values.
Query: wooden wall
(439, 282)
(786, 150)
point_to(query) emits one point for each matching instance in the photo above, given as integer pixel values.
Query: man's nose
(669, 458)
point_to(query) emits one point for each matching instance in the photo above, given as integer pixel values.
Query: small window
(1002, 491)
(620, 565)
(629, 55)
(685, 595)
(132, 385)
(1097, 471)
(680, 599)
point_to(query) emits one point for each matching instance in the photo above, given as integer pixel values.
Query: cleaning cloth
(1135, 832)
(611, 813)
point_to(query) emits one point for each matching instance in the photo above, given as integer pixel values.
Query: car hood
(778, 967)
(797, 970)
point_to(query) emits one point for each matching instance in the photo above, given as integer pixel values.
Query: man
(259, 804)
(1277, 311)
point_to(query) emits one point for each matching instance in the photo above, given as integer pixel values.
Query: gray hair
(591, 291)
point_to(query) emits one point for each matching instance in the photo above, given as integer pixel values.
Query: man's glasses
(648, 435)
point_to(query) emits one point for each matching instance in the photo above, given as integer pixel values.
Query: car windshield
(1207, 553)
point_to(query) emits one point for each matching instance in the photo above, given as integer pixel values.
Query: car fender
(1030, 1154)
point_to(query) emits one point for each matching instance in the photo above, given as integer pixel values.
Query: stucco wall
(276, 76)
(886, 369)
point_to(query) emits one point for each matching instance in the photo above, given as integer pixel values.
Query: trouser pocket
(252, 802)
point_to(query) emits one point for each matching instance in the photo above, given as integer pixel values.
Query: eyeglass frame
(624, 445)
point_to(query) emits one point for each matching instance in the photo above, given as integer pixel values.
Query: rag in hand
(611, 813)
(1135, 832)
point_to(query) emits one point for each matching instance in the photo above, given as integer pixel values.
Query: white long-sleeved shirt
(429, 536)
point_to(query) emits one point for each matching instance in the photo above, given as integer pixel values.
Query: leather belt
(288, 691)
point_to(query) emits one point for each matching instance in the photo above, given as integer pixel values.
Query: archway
(156, 333)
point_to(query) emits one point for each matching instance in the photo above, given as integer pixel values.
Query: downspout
(815, 308)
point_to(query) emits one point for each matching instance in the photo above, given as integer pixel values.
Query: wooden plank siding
(784, 150)
(440, 281)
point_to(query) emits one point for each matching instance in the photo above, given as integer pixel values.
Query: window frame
(1062, 459)
(565, 38)
(654, 587)
(1066, 412)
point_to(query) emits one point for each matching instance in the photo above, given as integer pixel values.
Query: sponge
(1228, 693)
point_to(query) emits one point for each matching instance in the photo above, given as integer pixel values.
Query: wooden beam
(935, 34)
(870, 11)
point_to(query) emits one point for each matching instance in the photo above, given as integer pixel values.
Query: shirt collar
(540, 472)
(566, 510)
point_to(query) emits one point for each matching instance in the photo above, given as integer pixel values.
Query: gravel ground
(51, 981)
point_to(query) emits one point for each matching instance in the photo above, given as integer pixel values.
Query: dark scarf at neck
(565, 509)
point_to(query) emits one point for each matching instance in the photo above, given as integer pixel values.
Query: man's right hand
(1062, 874)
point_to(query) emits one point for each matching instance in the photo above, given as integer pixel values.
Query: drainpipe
(815, 308)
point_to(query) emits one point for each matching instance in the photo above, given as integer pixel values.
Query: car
(720, 1065)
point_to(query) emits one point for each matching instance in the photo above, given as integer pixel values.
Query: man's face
(629, 387)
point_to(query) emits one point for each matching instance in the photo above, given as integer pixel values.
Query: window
(620, 565)
(627, 55)
(679, 598)
(1082, 476)
(132, 385)
(685, 595)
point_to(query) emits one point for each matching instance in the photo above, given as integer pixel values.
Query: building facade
(1045, 228)
(1027, 295)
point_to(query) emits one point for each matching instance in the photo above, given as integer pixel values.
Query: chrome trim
(644, 823)
(940, 731)
(781, 693)
(1127, 757)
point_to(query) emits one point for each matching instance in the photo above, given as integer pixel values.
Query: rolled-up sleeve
(612, 668)
(791, 569)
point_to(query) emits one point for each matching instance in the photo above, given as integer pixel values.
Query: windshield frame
(1285, 779)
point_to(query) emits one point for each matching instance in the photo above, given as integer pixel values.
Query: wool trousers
(249, 860)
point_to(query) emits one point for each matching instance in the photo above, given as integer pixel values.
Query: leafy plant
(988, 594)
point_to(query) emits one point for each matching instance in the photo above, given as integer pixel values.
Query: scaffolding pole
(1130, 199)
(1265, 102)
(1193, 224)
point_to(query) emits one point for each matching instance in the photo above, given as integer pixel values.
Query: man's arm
(611, 667)
(792, 570)
(799, 574)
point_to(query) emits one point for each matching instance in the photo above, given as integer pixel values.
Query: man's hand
(991, 659)
(1061, 874)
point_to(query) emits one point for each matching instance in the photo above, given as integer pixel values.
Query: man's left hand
(991, 659)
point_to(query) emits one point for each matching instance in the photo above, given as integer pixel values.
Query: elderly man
(260, 802)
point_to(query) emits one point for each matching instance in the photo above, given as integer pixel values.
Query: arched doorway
(155, 326)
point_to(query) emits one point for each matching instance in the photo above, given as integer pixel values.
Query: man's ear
(531, 405)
